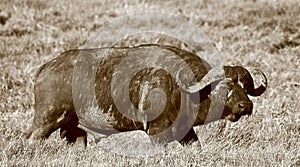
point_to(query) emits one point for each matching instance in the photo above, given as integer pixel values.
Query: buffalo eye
(241, 105)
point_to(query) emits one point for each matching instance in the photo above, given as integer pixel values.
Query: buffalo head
(230, 87)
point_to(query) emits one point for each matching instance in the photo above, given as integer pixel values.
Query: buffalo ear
(214, 75)
(224, 87)
(226, 83)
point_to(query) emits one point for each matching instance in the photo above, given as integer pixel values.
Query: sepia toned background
(262, 34)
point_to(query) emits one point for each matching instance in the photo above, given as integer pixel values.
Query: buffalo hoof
(73, 134)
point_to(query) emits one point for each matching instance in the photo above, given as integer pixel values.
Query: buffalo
(160, 89)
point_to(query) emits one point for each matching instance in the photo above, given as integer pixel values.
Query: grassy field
(262, 34)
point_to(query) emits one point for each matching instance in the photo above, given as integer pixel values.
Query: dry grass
(262, 34)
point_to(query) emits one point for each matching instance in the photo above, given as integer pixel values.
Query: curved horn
(216, 74)
(237, 74)
(246, 81)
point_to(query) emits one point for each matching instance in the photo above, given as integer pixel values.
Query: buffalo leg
(189, 138)
(42, 127)
(162, 137)
(43, 131)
